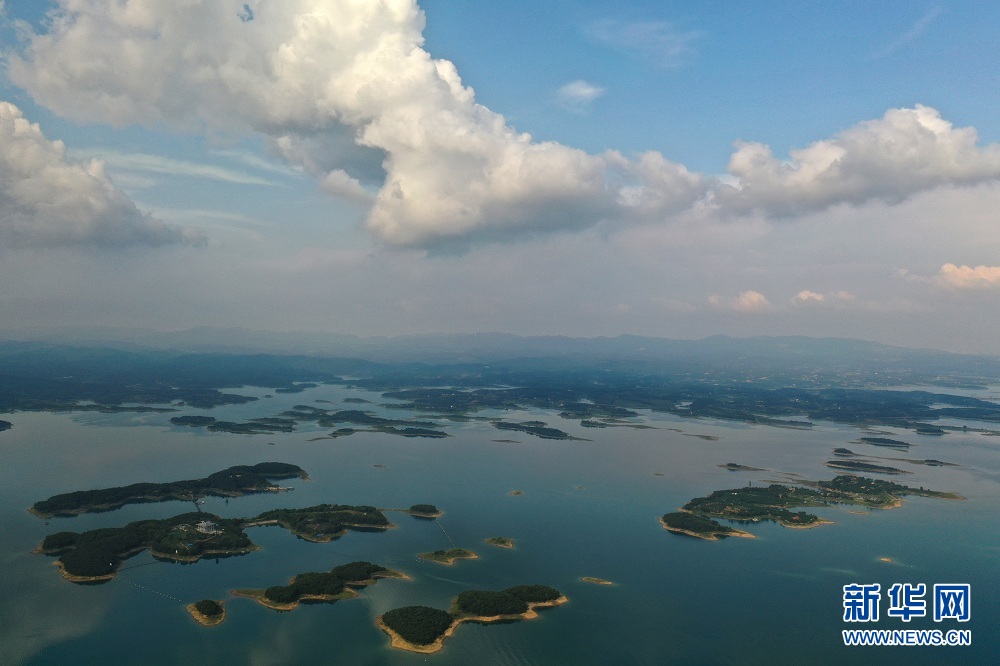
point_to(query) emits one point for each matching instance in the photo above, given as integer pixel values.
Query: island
(96, 555)
(595, 581)
(536, 428)
(231, 482)
(860, 466)
(733, 467)
(324, 522)
(423, 629)
(341, 582)
(885, 441)
(207, 612)
(258, 426)
(426, 511)
(773, 503)
(698, 526)
(500, 542)
(448, 556)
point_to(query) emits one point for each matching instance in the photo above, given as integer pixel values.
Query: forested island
(323, 522)
(258, 426)
(231, 482)
(500, 542)
(885, 441)
(536, 428)
(449, 556)
(734, 467)
(699, 526)
(207, 612)
(423, 629)
(341, 582)
(425, 511)
(861, 466)
(97, 554)
(773, 502)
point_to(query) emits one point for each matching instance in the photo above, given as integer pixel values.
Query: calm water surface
(589, 508)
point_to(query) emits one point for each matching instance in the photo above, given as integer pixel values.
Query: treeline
(239, 479)
(422, 625)
(693, 523)
(330, 583)
(100, 552)
(326, 519)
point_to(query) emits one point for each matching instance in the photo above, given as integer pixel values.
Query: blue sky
(692, 168)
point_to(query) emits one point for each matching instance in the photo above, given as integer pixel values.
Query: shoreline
(156, 499)
(326, 538)
(500, 542)
(401, 643)
(205, 620)
(450, 560)
(715, 536)
(349, 592)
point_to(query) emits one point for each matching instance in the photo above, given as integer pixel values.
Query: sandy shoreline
(451, 560)
(401, 643)
(205, 620)
(347, 593)
(707, 537)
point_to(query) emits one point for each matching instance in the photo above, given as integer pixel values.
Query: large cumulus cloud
(345, 90)
(889, 159)
(48, 200)
(310, 73)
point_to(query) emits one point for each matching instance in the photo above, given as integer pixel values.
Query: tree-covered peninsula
(694, 525)
(423, 629)
(774, 502)
(340, 582)
(97, 554)
(232, 482)
(323, 522)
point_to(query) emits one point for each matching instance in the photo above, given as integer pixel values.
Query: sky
(553, 167)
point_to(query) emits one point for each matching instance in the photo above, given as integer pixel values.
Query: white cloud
(805, 296)
(889, 159)
(344, 89)
(173, 167)
(915, 31)
(577, 95)
(748, 301)
(46, 199)
(346, 92)
(656, 41)
(967, 277)
(811, 297)
(339, 184)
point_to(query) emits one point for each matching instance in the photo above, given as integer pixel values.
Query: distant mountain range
(796, 359)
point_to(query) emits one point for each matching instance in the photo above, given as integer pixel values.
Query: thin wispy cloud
(656, 41)
(577, 96)
(173, 167)
(915, 32)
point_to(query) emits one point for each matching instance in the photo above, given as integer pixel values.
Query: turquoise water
(589, 508)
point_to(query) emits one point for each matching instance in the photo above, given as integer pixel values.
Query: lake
(588, 508)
